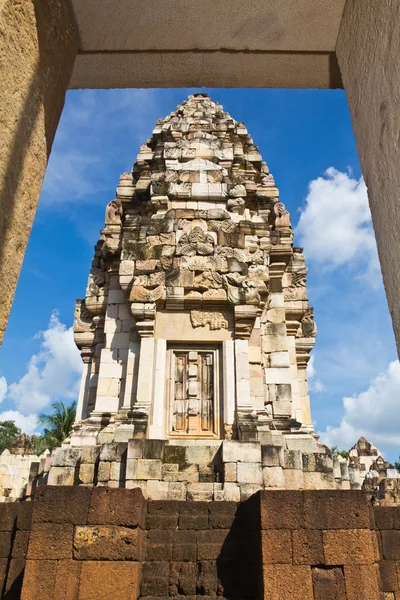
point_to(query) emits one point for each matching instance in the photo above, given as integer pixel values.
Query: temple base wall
(85, 543)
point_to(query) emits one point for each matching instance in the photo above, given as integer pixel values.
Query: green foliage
(39, 444)
(58, 424)
(397, 465)
(336, 452)
(9, 432)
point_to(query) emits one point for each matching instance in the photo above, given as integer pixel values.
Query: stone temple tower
(195, 323)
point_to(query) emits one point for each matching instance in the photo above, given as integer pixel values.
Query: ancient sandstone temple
(196, 323)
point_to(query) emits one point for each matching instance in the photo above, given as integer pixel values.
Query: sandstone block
(230, 472)
(62, 476)
(276, 546)
(148, 469)
(200, 491)
(104, 580)
(86, 473)
(328, 584)
(131, 468)
(61, 505)
(319, 481)
(294, 479)
(307, 547)
(273, 477)
(153, 449)
(103, 473)
(107, 543)
(157, 490)
(249, 489)
(231, 492)
(234, 451)
(281, 509)
(39, 580)
(115, 471)
(177, 491)
(249, 473)
(348, 547)
(292, 582)
(293, 459)
(66, 457)
(116, 507)
(272, 456)
(50, 541)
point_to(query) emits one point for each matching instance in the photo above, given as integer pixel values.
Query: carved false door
(193, 394)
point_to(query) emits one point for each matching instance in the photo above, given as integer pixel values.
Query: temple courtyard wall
(84, 543)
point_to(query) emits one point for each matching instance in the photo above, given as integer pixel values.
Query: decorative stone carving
(113, 212)
(215, 320)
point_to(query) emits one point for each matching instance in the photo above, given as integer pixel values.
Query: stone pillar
(38, 46)
(242, 374)
(229, 382)
(132, 368)
(145, 375)
(368, 52)
(83, 390)
(158, 411)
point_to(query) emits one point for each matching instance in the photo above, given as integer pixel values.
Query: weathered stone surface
(288, 581)
(307, 547)
(39, 579)
(104, 580)
(107, 543)
(281, 509)
(51, 541)
(155, 579)
(61, 505)
(116, 507)
(276, 546)
(329, 584)
(348, 547)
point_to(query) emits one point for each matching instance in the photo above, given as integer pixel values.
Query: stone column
(158, 411)
(146, 370)
(368, 52)
(38, 46)
(83, 390)
(228, 382)
(242, 374)
(132, 368)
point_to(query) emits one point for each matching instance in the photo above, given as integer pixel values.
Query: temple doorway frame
(38, 49)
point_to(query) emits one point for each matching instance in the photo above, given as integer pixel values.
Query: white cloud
(52, 373)
(314, 384)
(27, 423)
(3, 388)
(335, 225)
(373, 413)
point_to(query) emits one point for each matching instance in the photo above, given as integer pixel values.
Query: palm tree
(59, 423)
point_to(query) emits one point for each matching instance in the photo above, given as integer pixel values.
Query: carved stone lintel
(201, 318)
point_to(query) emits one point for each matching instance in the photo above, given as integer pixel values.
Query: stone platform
(84, 543)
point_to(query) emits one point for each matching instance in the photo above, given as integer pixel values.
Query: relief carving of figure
(282, 216)
(83, 320)
(307, 328)
(113, 213)
(215, 320)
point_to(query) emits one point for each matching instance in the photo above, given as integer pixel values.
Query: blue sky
(355, 376)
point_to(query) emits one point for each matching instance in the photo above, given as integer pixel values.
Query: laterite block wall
(84, 543)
